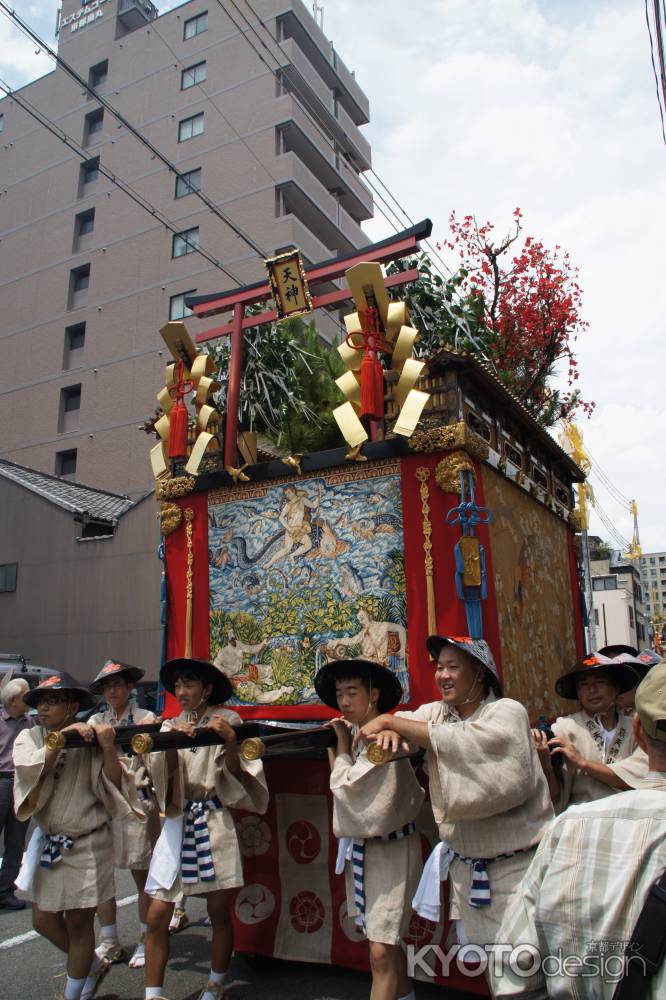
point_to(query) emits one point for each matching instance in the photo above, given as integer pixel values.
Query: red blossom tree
(526, 302)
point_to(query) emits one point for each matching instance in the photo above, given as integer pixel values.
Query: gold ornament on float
(190, 373)
(378, 327)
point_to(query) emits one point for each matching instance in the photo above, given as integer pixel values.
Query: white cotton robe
(372, 801)
(489, 797)
(201, 774)
(74, 798)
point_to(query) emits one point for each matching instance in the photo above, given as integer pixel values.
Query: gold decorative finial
(294, 462)
(142, 743)
(252, 748)
(377, 755)
(55, 740)
(237, 475)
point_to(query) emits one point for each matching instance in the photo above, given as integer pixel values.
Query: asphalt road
(32, 969)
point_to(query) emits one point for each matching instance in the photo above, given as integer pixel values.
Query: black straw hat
(624, 675)
(62, 683)
(207, 672)
(377, 675)
(114, 668)
(616, 648)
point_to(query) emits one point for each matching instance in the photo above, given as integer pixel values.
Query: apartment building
(261, 116)
(653, 580)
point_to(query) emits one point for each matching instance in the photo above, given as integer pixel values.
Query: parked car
(19, 666)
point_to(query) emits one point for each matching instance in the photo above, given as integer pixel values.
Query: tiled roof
(71, 496)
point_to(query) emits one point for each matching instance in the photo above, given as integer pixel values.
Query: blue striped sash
(479, 894)
(54, 845)
(196, 856)
(358, 867)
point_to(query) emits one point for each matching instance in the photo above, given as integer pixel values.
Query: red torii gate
(395, 248)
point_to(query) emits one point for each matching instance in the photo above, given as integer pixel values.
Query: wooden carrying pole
(58, 740)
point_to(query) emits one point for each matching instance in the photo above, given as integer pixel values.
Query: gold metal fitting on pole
(142, 743)
(377, 755)
(55, 740)
(252, 748)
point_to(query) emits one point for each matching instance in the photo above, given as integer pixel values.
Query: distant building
(87, 277)
(653, 581)
(620, 613)
(79, 574)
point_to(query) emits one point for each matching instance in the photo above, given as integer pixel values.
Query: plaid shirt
(582, 896)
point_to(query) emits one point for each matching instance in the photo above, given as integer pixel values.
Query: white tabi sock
(408, 996)
(110, 932)
(153, 991)
(216, 979)
(73, 988)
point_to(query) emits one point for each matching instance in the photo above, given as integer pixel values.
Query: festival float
(447, 508)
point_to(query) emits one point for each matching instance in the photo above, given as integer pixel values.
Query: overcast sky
(484, 105)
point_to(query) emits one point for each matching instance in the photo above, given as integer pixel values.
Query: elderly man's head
(12, 697)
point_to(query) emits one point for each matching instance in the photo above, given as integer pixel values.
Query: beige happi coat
(370, 802)
(585, 731)
(202, 773)
(74, 798)
(489, 797)
(133, 840)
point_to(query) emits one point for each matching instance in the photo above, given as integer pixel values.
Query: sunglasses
(52, 699)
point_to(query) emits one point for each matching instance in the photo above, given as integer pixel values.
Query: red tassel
(178, 430)
(372, 387)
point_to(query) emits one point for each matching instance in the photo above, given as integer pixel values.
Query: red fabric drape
(176, 567)
(450, 610)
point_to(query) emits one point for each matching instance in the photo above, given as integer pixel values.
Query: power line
(324, 133)
(79, 80)
(654, 68)
(614, 532)
(214, 104)
(605, 478)
(84, 156)
(459, 320)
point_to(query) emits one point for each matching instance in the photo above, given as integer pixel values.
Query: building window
(75, 337)
(604, 583)
(185, 242)
(189, 127)
(631, 616)
(80, 278)
(2, 123)
(65, 462)
(195, 74)
(596, 616)
(89, 171)
(94, 123)
(8, 574)
(84, 223)
(70, 398)
(195, 25)
(189, 182)
(177, 307)
(98, 74)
